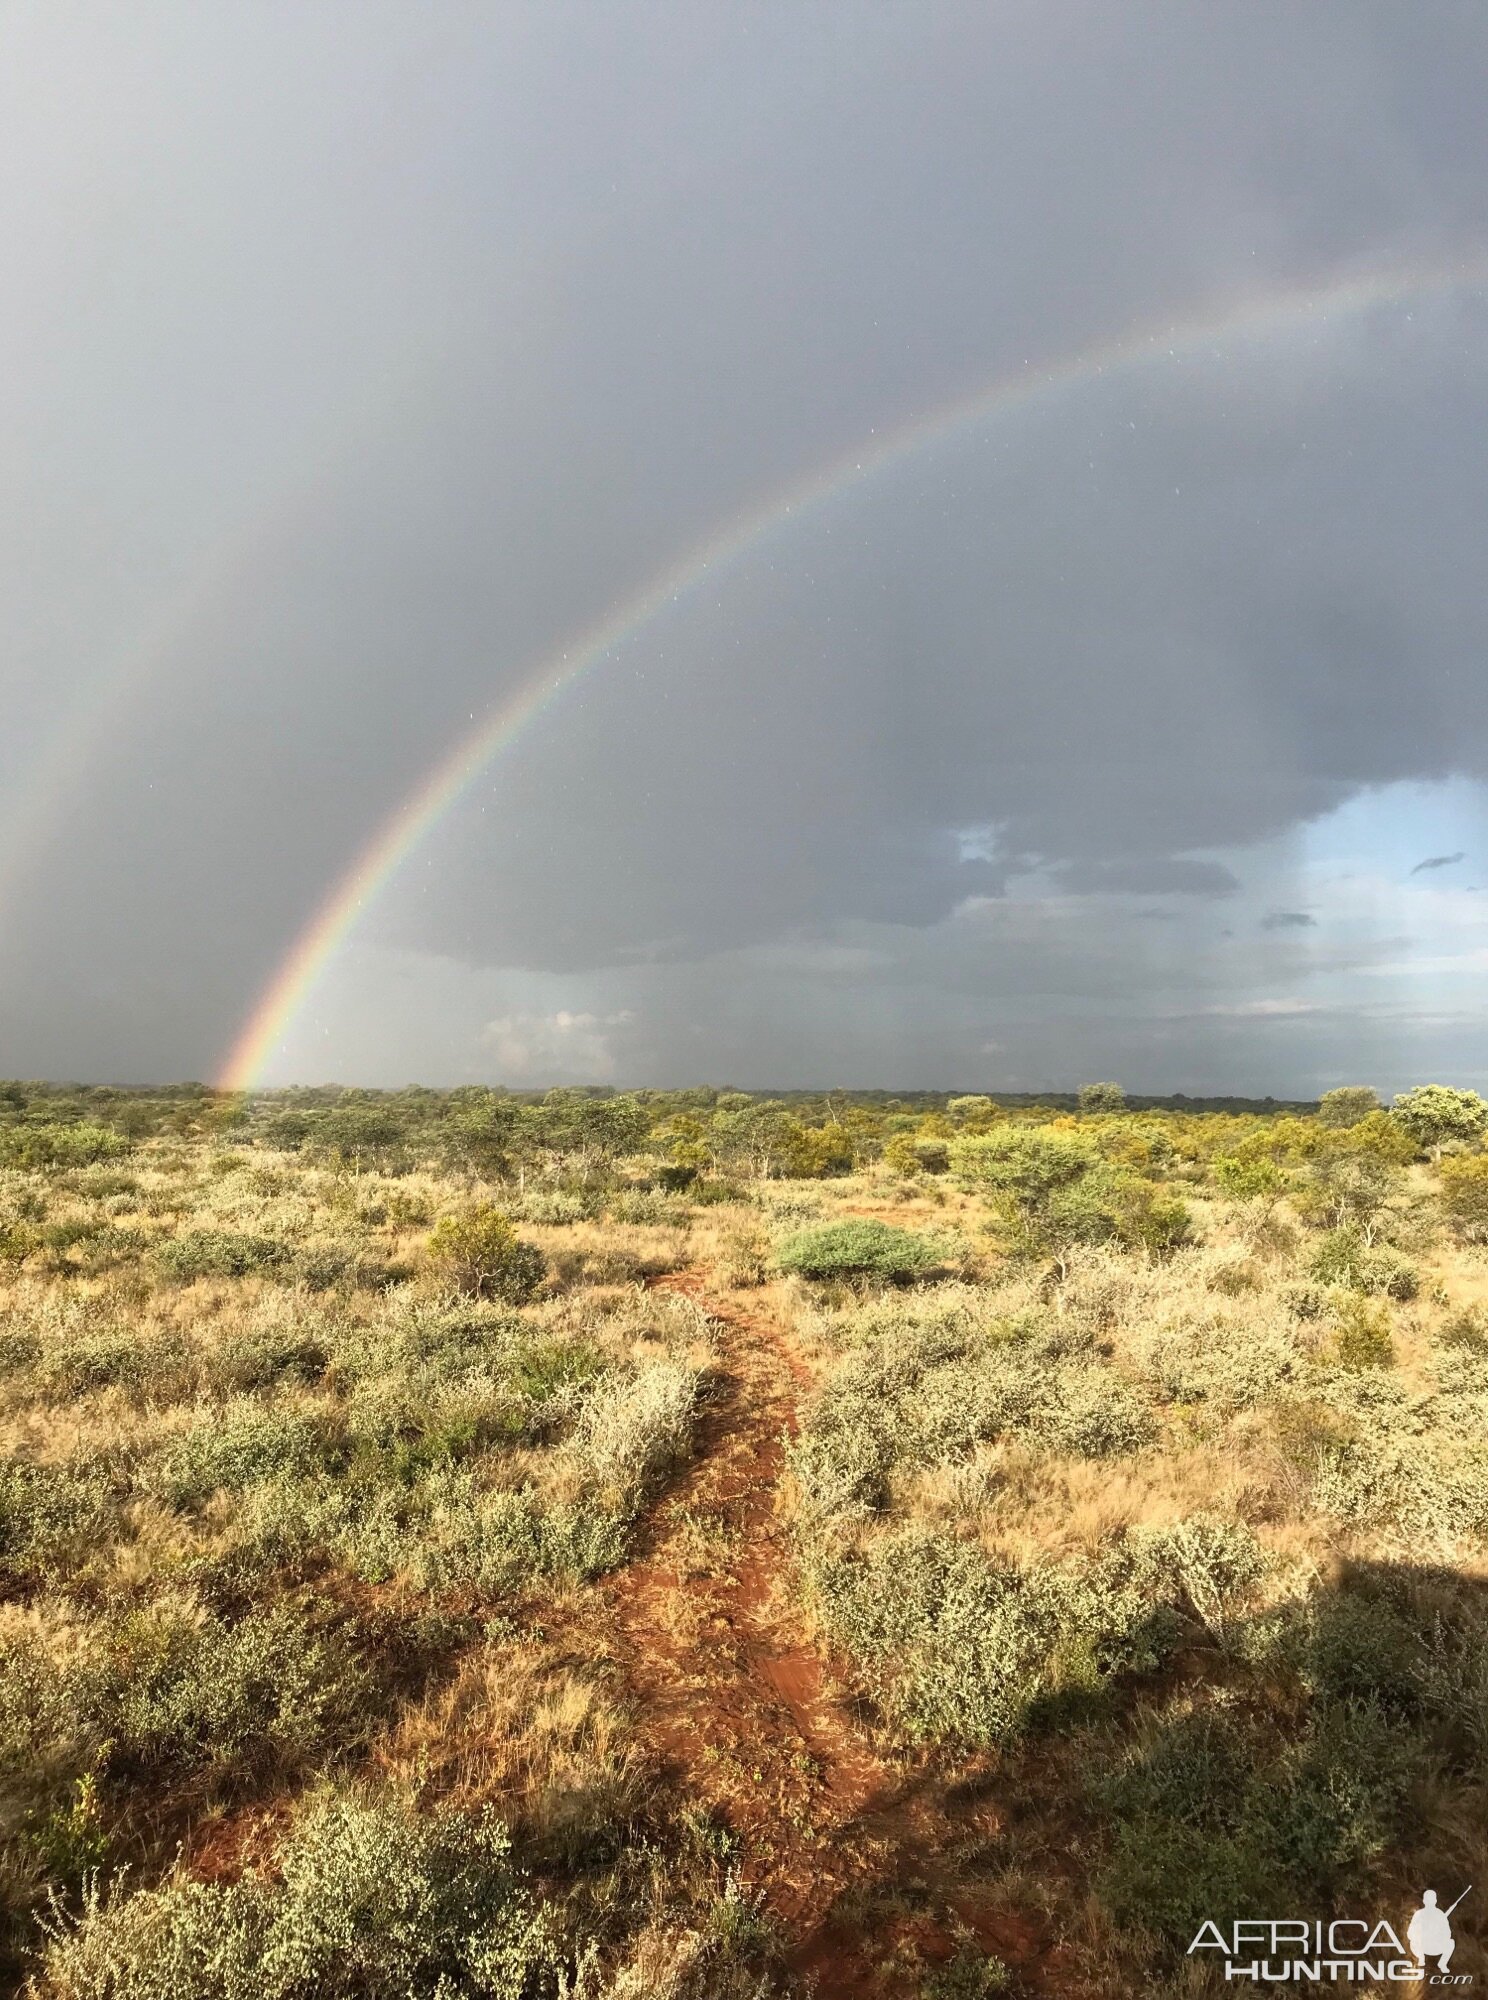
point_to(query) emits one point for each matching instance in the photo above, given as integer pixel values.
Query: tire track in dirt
(864, 1866)
(734, 1697)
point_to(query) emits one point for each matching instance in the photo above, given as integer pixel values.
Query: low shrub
(228, 1449)
(860, 1249)
(1210, 1813)
(174, 1684)
(632, 1428)
(480, 1252)
(1362, 1336)
(50, 1515)
(1344, 1258)
(368, 1902)
(556, 1207)
(1464, 1188)
(743, 1252)
(714, 1192)
(221, 1253)
(1467, 1329)
(87, 1356)
(967, 1650)
(651, 1207)
(262, 1355)
(1230, 1363)
(971, 1975)
(56, 1145)
(18, 1241)
(929, 1393)
(1372, 1463)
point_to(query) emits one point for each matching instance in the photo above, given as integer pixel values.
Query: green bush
(480, 1252)
(1348, 1105)
(228, 1449)
(1371, 1467)
(20, 1350)
(173, 1684)
(1467, 1329)
(49, 1515)
(18, 1241)
(1344, 1258)
(632, 1428)
(971, 1975)
(964, 1649)
(929, 1393)
(1464, 1186)
(266, 1354)
(221, 1253)
(55, 1145)
(859, 1249)
(369, 1903)
(1361, 1335)
(557, 1207)
(1208, 1813)
(1249, 1179)
(1231, 1364)
(1056, 1190)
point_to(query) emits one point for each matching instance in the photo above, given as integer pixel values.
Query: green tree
(1096, 1097)
(587, 1131)
(971, 1110)
(1347, 1105)
(1054, 1190)
(814, 1152)
(1435, 1114)
(359, 1133)
(750, 1137)
(486, 1136)
(1358, 1190)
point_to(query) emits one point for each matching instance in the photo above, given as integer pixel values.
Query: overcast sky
(353, 357)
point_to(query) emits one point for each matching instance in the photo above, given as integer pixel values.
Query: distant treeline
(177, 1102)
(699, 1136)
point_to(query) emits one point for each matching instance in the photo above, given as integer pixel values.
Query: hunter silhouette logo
(1429, 1933)
(1273, 1950)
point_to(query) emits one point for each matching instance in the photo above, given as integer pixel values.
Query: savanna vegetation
(691, 1544)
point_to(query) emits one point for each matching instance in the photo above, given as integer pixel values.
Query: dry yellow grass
(442, 1503)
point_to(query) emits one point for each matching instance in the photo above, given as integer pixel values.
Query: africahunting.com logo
(1275, 1950)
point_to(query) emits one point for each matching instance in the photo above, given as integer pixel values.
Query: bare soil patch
(860, 1861)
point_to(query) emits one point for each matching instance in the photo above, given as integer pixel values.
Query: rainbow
(1023, 390)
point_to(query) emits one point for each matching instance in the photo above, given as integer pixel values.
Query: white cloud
(560, 1045)
(1253, 1010)
(1411, 968)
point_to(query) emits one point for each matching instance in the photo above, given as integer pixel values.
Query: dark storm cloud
(1288, 920)
(584, 285)
(1437, 861)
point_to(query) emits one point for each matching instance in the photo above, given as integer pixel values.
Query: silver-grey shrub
(964, 1648)
(370, 1903)
(925, 1393)
(238, 1445)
